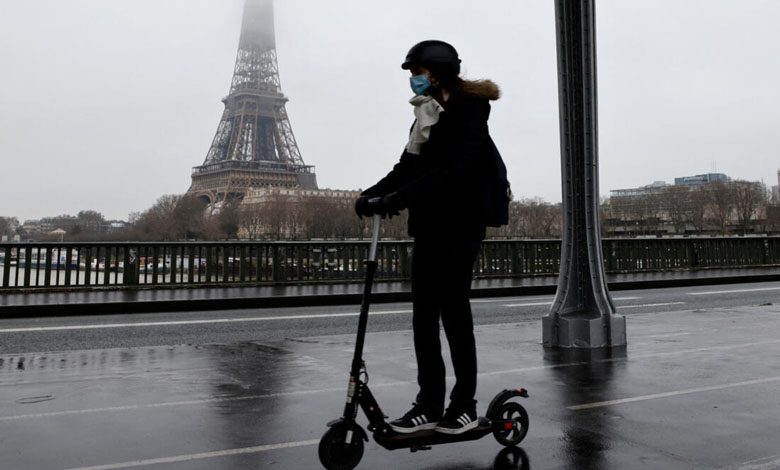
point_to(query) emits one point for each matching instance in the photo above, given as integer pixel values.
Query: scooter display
(342, 445)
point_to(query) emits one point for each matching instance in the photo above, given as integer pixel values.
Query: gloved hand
(362, 208)
(392, 204)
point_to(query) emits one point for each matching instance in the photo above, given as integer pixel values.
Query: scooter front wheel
(515, 424)
(340, 448)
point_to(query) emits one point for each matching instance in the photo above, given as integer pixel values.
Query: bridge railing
(83, 265)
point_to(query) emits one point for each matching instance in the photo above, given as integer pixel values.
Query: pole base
(582, 332)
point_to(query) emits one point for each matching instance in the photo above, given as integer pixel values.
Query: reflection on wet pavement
(696, 398)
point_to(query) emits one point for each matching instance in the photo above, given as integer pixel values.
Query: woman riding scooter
(441, 178)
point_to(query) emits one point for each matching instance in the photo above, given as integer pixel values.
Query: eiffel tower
(254, 145)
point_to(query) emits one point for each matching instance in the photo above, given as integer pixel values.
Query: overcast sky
(107, 105)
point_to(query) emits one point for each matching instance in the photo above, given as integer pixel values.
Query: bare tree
(516, 228)
(324, 217)
(722, 203)
(227, 219)
(772, 218)
(675, 202)
(699, 199)
(277, 217)
(749, 198)
(90, 221)
(175, 217)
(250, 221)
(9, 226)
(531, 218)
(632, 211)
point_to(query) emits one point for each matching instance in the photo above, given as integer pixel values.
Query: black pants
(441, 280)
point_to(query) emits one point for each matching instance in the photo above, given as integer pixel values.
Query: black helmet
(432, 52)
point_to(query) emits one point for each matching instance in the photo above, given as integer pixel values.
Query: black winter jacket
(444, 185)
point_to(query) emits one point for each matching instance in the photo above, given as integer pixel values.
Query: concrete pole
(582, 314)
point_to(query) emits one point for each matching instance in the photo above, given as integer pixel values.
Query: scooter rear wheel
(516, 427)
(340, 449)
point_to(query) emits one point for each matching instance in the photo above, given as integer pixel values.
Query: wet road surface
(231, 326)
(694, 389)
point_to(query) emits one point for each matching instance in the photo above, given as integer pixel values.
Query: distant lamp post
(582, 314)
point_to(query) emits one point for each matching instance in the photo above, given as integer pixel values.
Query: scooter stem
(374, 238)
(371, 266)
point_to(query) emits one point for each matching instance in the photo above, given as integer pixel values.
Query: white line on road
(672, 394)
(220, 320)
(651, 305)
(667, 335)
(192, 322)
(735, 291)
(505, 299)
(205, 455)
(165, 404)
(288, 445)
(529, 304)
(386, 384)
(536, 304)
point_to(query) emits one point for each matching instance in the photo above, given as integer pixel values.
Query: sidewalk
(36, 304)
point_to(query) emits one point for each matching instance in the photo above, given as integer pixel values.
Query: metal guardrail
(78, 265)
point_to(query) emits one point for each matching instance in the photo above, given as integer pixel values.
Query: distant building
(32, 226)
(113, 226)
(683, 181)
(653, 188)
(72, 225)
(681, 208)
(701, 179)
(261, 195)
(279, 212)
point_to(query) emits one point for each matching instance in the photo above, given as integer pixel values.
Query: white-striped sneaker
(457, 422)
(416, 419)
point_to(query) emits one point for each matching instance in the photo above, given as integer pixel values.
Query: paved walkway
(692, 390)
(215, 298)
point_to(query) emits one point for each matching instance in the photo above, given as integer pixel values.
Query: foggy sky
(107, 105)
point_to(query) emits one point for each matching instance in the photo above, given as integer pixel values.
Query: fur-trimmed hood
(485, 89)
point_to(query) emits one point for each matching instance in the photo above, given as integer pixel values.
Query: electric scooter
(341, 447)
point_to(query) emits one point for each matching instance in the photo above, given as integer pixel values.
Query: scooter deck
(430, 437)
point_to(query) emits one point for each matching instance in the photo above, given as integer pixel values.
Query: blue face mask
(420, 84)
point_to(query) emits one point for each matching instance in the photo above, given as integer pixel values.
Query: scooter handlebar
(375, 203)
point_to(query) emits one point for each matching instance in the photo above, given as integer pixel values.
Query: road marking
(651, 305)
(667, 335)
(536, 304)
(529, 304)
(546, 297)
(227, 320)
(204, 455)
(193, 322)
(672, 394)
(634, 356)
(504, 299)
(165, 404)
(735, 291)
(385, 384)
